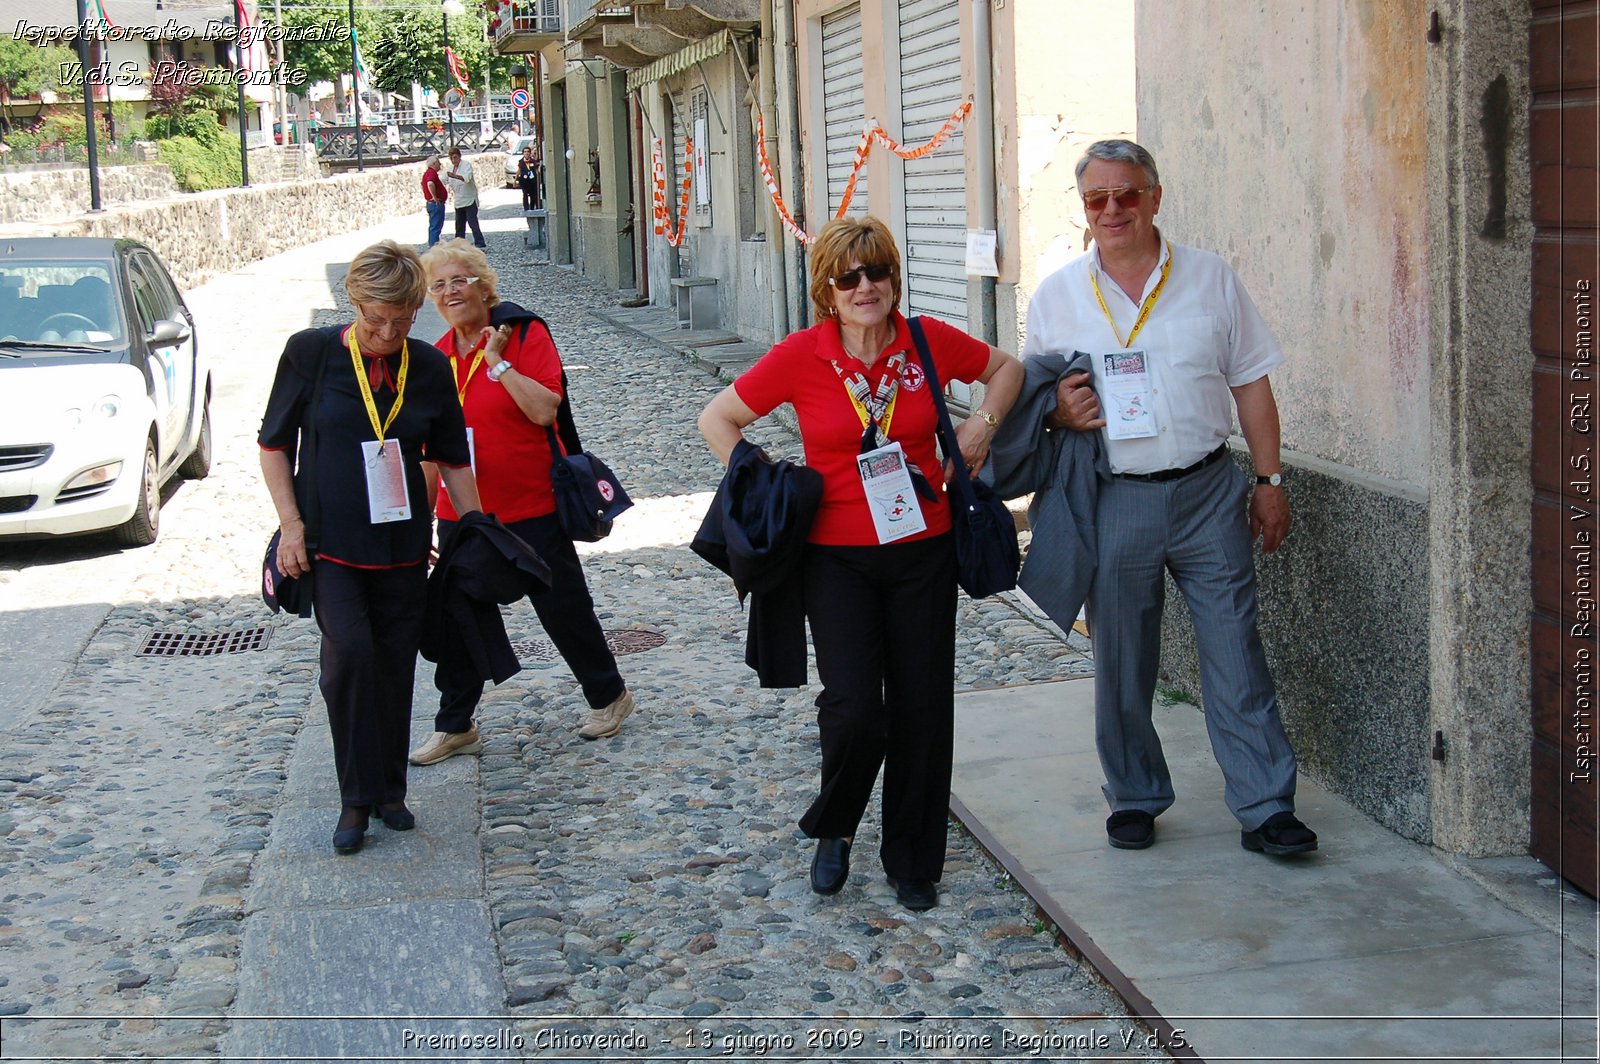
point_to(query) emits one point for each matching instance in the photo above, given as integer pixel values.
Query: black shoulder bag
(987, 554)
(294, 593)
(588, 494)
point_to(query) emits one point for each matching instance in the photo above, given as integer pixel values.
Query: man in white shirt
(1177, 348)
(464, 194)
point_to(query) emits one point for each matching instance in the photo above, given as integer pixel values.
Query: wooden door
(1564, 156)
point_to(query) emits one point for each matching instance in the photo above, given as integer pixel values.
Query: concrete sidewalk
(1373, 948)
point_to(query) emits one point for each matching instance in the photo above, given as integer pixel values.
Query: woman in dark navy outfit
(385, 401)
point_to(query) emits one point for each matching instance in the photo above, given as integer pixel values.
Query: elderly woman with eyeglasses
(352, 411)
(881, 605)
(508, 382)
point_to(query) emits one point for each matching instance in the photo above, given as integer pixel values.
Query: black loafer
(396, 817)
(830, 866)
(918, 895)
(1130, 829)
(1282, 834)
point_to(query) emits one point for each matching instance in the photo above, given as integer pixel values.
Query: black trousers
(466, 216)
(530, 193)
(883, 622)
(567, 613)
(371, 622)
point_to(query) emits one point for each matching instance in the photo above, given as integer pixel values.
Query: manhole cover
(203, 644)
(626, 641)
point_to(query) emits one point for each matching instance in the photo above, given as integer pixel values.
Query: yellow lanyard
(861, 409)
(366, 389)
(461, 391)
(1144, 311)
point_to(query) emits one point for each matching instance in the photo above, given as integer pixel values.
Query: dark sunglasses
(1127, 197)
(849, 279)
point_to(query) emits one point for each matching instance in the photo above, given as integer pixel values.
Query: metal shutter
(935, 185)
(845, 108)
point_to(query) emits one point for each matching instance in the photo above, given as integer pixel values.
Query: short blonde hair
(456, 250)
(387, 274)
(841, 240)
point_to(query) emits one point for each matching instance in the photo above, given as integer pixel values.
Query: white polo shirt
(463, 184)
(1202, 337)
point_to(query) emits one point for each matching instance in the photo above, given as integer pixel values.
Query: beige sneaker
(446, 744)
(607, 720)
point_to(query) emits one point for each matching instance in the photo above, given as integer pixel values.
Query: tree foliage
(399, 46)
(28, 70)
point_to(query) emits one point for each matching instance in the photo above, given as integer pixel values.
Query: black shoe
(348, 837)
(830, 865)
(1281, 834)
(1130, 829)
(396, 817)
(918, 895)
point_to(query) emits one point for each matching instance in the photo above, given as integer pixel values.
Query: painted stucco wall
(1057, 91)
(1292, 140)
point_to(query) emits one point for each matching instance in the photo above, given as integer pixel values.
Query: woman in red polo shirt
(880, 579)
(508, 380)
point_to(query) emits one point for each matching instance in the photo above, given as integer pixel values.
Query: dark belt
(1174, 474)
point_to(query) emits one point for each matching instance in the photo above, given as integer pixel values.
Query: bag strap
(311, 515)
(947, 432)
(566, 429)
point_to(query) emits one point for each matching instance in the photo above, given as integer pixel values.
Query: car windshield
(70, 304)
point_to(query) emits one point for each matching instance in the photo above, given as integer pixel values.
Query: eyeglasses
(1127, 197)
(385, 324)
(450, 284)
(849, 279)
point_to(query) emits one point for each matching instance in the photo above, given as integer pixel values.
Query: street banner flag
(458, 69)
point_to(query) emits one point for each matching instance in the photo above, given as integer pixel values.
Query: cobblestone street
(653, 883)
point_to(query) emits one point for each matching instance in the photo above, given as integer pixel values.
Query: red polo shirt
(511, 454)
(433, 189)
(800, 370)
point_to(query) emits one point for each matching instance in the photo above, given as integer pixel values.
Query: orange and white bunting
(870, 132)
(664, 223)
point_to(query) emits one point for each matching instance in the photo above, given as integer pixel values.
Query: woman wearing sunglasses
(352, 409)
(509, 385)
(879, 566)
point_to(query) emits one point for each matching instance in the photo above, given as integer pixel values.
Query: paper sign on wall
(980, 253)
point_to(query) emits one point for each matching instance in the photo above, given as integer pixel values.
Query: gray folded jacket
(1063, 469)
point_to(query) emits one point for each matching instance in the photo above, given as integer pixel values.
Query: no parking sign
(519, 98)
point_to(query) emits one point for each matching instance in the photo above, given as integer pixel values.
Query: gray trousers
(1196, 527)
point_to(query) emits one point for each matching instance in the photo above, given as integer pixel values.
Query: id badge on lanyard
(1129, 401)
(890, 494)
(386, 482)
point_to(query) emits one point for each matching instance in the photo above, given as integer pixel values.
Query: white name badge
(890, 494)
(1128, 400)
(386, 482)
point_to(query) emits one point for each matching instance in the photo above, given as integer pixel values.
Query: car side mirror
(167, 333)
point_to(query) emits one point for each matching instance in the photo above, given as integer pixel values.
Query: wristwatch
(499, 369)
(988, 418)
(1274, 479)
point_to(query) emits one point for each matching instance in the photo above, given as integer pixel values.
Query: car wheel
(141, 529)
(198, 464)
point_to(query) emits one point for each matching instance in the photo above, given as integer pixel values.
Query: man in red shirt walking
(433, 191)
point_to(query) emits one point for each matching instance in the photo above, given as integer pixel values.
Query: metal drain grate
(629, 641)
(626, 641)
(203, 645)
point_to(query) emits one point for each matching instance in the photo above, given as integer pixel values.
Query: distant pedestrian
(528, 179)
(359, 404)
(879, 572)
(508, 381)
(434, 195)
(464, 194)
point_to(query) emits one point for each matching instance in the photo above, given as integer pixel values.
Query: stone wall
(32, 195)
(200, 235)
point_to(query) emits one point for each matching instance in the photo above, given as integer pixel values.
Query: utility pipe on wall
(777, 236)
(788, 161)
(983, 126)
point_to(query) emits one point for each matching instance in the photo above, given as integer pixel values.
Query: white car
(104, 396)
